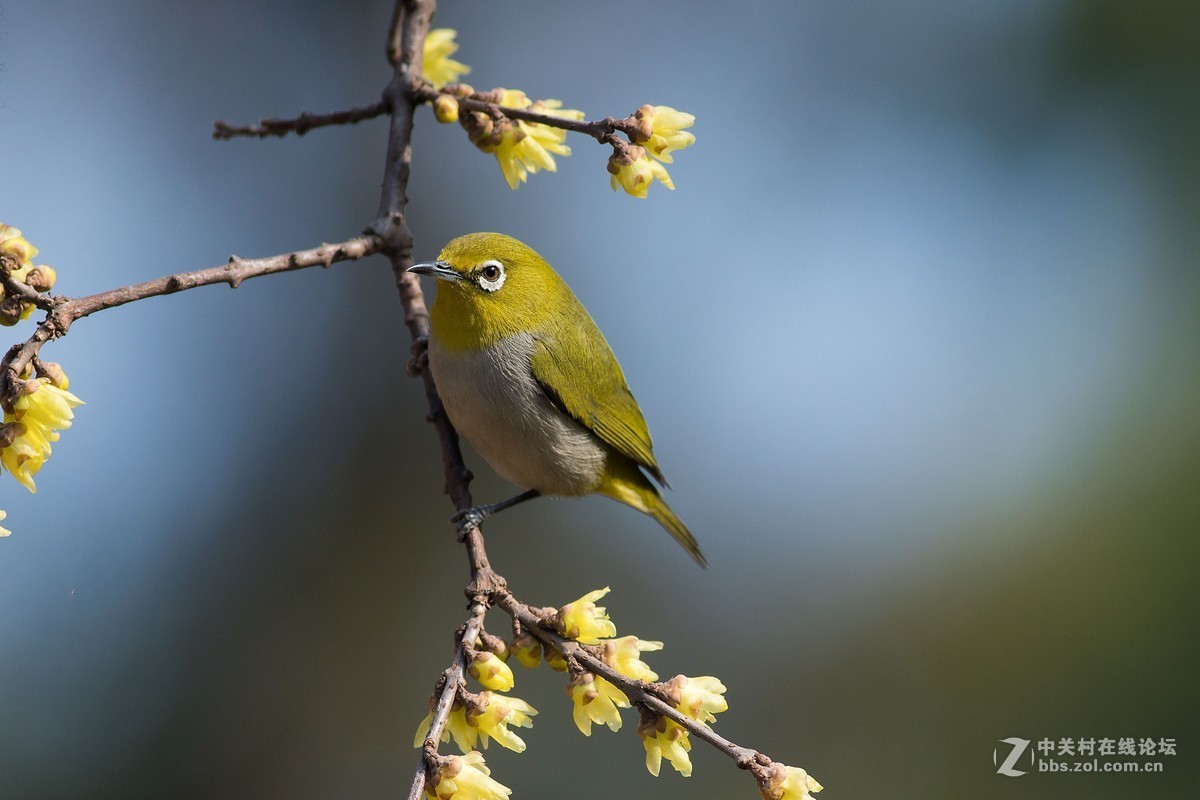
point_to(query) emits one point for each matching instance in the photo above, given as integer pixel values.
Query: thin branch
(409, 28)
(602, 130)
(64, 311)
(25, 292)
(450, 682)
(301, 124)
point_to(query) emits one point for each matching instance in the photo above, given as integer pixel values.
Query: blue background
(917, 336)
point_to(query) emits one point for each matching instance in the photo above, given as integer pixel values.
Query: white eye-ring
(491, 276)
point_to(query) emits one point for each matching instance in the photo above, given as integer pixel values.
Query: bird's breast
(492, 398)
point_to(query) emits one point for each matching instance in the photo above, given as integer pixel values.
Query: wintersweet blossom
(465, 735)
(554, 658)
(596, 701)
(19, 254)
(623, 655)
(40, 412)
(699, 698)
(665, 738)
(3, 530)
(15, 246)
(584, 621)
(465, 777)
(436, 65)
(520, 147)
(789, 783)
(664, 130)
(488, 669)
(527, 649)
(634, 171)
(495, 713)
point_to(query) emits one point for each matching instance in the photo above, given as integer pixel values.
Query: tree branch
(390, 234)
(299, 125)
(64, 311)
(602, 130)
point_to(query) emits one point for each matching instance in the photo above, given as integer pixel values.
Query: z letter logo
(1018, 748)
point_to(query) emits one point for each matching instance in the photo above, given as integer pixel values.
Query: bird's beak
(436, 269)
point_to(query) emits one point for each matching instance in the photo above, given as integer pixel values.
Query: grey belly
(497, 406)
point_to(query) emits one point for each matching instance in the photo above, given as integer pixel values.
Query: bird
(526, 376)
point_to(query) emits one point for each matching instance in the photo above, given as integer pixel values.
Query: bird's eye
(491, 276)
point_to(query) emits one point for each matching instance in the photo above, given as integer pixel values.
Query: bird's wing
(579, 373)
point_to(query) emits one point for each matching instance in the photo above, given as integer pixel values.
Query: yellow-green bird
(528, 379)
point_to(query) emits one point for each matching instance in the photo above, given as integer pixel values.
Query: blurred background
(918, 337)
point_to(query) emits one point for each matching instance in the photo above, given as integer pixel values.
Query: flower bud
(10, 311)
(445, 108)
(41, 278)
(527, 649)
(555, 660)
(490, 671)
(18, 249)
(53, 372)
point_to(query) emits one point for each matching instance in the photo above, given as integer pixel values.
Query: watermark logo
(1018, 748)
(1014, 756)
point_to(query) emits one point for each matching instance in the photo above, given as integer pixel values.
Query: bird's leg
(470, 517)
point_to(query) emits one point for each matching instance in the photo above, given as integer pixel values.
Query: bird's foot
(469, 518)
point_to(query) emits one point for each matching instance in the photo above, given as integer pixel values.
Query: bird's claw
(468, 518)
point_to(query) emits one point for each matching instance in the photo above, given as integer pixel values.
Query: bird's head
(490, 286)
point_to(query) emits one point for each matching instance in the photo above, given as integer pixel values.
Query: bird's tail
(627, 484)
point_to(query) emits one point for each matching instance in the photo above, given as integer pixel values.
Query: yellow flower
(666, 132)
(496, 712)
(596, 701)
(584, 621)
(493, 673)
(465, 778)
(699, 698)
(3, 530)
(664, 738)
(526, 648)
(789, 783)
(465, 735)
(523, 147)
(634, 171)
(15, 246)
(555, 660)
(42, 410)
(445, 108)
(623, 656)
(41, 278)
(437, 66)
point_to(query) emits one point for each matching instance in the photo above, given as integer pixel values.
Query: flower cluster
(598, 702)
(523, 147)
(35, 410)
(475, 719)
(16, 263)
(659, 131)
